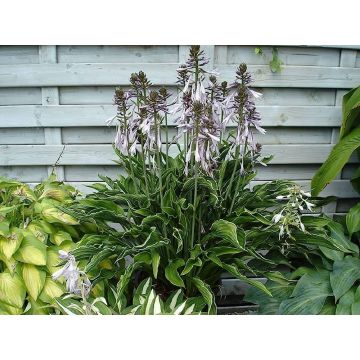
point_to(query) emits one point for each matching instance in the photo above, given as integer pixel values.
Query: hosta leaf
(227, 231)
(309, 295)
(34, 279)
(172, 274)
(10, 263)
(235, 271)
(345, 273)
(350, 110)
(206, 293)
(51, 291)
(353, 219)
(59, 237)
(37, 231)
(155, 259)
(321, 240)
(4, 228)
(174, 300)
(31, 251)
(53, 215)
(142, 292)
(337, 233)
(345, 303)
(10, 244)
(6, 309)
(12, 290)
(269, 305)
(149, 303)
(338, 157)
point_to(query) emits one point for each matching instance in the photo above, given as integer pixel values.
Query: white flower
(302, 226)
(277, 217)
(309, 205)
(279, 197)
(76, 281)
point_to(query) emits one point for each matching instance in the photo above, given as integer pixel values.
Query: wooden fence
(55, 99)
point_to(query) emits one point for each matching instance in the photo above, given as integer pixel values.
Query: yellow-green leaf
(52, 259)
(34, 279)
(6, 309)
(51, 291)
(9, 244)
(37, 231)
(53, 215)
(31, 251)
(59, 237)
(12, 290)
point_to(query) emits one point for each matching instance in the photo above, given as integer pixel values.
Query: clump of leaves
(185, 213)
(328, 284)
(32, 231)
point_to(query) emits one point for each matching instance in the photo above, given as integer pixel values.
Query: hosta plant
(328, 284)
(184, 213)
(32, 231)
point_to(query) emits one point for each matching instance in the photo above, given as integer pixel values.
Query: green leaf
(4, 228)
(34, 279)
(172, 274)
(31, 251)
(353, 219)
(206, 293)
(321, 240)
(155, 259)
(227, 231)
(355, 180)
(309, 295)
(338, 157)
(345, 273)
(269, 305)
(350, 111)
(12, 290)
(345, 303)
(235, 271)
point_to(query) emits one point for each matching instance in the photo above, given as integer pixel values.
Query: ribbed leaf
(12, 290)
(34, 279)
(53, 215)
(338, 157)
(353, 219)
(10, 244)
(350, 111)
(345, 273)
(31, 251)
(51, 291)
(309, 295)
(345, 303)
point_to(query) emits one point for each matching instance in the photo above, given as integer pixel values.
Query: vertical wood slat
(50, 96)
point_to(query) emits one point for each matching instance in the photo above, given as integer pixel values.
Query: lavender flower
(126, 134)
(76, 281)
